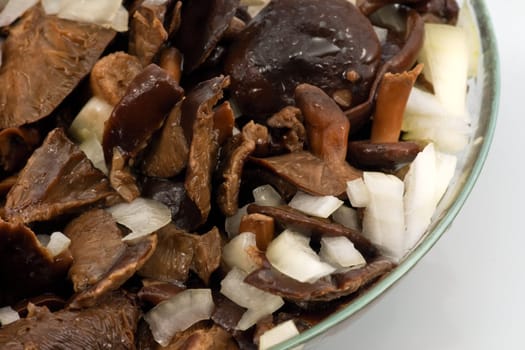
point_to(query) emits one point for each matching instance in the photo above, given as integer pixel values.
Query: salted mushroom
(292, 42)
(112, 324)
(16, 145)
(41, 65)
(336, 286)
(196, 41)
(27, 268)
(57, 179)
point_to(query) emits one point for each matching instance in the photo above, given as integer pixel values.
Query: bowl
(482, 101)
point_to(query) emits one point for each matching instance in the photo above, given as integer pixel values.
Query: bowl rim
(491, 79)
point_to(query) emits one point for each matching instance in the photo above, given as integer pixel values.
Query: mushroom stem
(392, 98)
(171, 61)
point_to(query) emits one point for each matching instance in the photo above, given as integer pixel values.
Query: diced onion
(52, 7)
(142, 216)
(320, 206)
(290, 253)
(254, 6)
(121, 19)
(466, 21)
(90, 120)
(13, 10)
(179, 313)
(357, 193)
(58, 243)
(341, 253)
(235, 252)
(8, 315)
(278, 334)
(258, 302)
(347, 217)
(445, 169)
(94, 152)
(384, 220)
(267, 195)
(232, 223)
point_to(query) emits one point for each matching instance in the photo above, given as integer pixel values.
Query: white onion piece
(445, 169)
(420, 194)
(232, 223)
(179, 313)
(90, 120)
(154, 2)
(58, 243)
(341, 253)
(52, 7)
(384, 219)
(278, 334)
(381, 33)
(258, 302)
(94, 152)
(357, 193)
(13, 10)
(290, 253)
(142, 216)
(235, 252)
(121, 19)
(320, 206)
(267, 195)
(99, 12)
(3, 3)
(347, 217)
(254, 6)
(8, 315)
(468, 23)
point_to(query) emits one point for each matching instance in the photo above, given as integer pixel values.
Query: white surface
(468, 292)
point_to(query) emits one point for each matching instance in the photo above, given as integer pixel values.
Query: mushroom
(292, 42)
(16, 145)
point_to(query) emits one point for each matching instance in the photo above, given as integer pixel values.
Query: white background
(468, 292)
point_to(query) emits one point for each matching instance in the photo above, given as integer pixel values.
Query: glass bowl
(483, 99)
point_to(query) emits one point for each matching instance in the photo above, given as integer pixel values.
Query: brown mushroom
(289, 124)
(261, 225)
(155, 292)
(171, 61)
(382, 156)
(16, 145)
(57, 179)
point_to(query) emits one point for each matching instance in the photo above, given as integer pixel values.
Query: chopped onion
(232, 223)
(357, 193)
(320, 206)
(58, 243)
(347, 217)
(121, 19)
(235, 252)
(381, 33)
(94, 152)
(52, 7)
(420, 194)
(142, 216)
(278, 334)
(8, 315)
(90, 120)
(445, 54)
(179, 313)
(445, 169)
(254, 6)
(3, 3)
(384, 219)
(341, 253)
(468, 23)
(258, 302)
(13, 10)
(267, 195)
(290, 253)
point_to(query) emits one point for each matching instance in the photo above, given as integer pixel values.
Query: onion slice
(347, 217)
(89, 122)
(13, 10)
(8, 315)
(320, 206)
(278, 334)
(267, 195)
(290, 253)
(232, 223)
(142, 216)
(235, 252)
(258, 302)
(341, 253)
(357, 193)
(179, 313)
(58, 243)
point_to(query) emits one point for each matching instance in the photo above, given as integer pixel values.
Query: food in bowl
(204, 172)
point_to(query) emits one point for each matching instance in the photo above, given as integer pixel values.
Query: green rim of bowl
(490, 104)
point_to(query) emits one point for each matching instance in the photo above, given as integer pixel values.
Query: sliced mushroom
(208, 252)
(382, 156)
(228, 192)
(198, 125)
(226, 313)
(57, 179)
(41, 65)
(155, 292)
(197, 41)
(338, 285)
(16, 145)
(290, 119)
(294, 219)
(121, 178)
(171, 61)
(26, 267)
(111, 324)
(224, 121)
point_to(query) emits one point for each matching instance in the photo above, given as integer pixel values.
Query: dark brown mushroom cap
(203, 24)
(338, 285)
(16, 145)
(147, 102)
(26, 267)
(111, 324)
(57, 179)
(381, 156)
(44, 58)
(302, 41)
